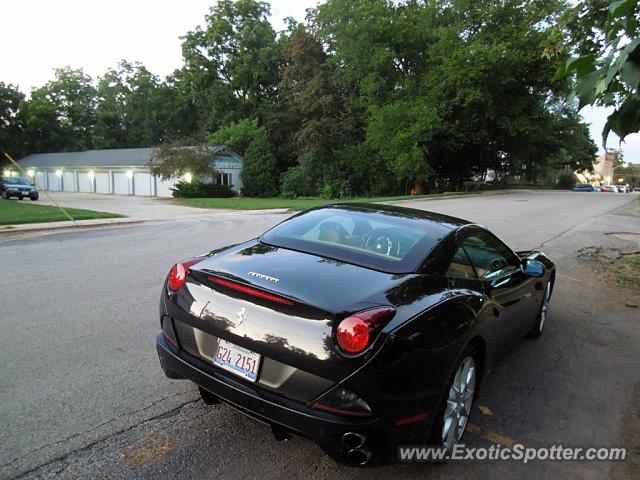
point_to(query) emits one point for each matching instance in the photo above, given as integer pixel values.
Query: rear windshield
(15, 181)
(381, 240)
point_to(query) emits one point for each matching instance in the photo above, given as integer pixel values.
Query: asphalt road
(82, 393)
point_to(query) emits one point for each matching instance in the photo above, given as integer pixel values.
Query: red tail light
(356, 332)
(178, 273)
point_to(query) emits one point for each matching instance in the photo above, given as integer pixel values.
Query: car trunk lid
(282, 304)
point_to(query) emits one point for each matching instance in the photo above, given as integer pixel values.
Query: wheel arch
(480, 348)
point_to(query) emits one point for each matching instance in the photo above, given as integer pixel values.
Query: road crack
(173, 412)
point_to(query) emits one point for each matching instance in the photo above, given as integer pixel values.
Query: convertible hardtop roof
(413, 213)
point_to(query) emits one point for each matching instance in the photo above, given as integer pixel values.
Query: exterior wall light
(7, 173)
(31, 172)
(91, 175)
(130, 173)
(58, 173)
(188, 177)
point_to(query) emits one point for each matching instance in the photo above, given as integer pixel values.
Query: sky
(40, 35)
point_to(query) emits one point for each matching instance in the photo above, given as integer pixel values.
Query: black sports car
(360, 327)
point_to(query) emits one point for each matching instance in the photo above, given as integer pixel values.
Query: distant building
(120, 171)
(602, 173)
(603, 167)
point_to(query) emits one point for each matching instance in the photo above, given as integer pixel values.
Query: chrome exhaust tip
(358, 457)
(353, 440)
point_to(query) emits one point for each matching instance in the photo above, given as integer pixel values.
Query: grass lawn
(246, 203)
(13, 212)
(626, 271)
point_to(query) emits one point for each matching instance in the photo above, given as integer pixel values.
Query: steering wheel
(496, 265)
(382, 241)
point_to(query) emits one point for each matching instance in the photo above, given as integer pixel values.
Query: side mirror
(533, 268)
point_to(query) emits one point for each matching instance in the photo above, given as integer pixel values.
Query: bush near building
(197, 189)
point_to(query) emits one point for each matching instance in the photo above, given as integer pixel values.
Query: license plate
(237, 359)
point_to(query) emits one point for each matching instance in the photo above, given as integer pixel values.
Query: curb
(9, 230)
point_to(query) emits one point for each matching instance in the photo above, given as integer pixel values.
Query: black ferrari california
(360, 327)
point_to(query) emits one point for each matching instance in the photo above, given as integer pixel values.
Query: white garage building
(120, 171)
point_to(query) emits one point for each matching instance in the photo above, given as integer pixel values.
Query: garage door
(120, 183)
(142, 183)
(84, 182)
(68, 182)
(164, 187)
(54, 182)
(40, 180)
(102, 182)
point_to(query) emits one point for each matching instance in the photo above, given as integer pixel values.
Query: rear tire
(5, 196)
(541, 319)
(34, 197)
(456, 407)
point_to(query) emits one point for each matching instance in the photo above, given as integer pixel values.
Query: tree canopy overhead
(603, 48)
(366, 97)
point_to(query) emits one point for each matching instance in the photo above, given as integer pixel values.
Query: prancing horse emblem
(241, 315)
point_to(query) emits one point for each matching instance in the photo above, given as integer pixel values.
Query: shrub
(197, 189)
(300, 181)
(259, 168)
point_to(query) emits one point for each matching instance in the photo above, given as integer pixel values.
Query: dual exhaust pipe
(356, 454)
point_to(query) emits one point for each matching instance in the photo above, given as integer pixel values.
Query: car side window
(490, 257)
(461, 266)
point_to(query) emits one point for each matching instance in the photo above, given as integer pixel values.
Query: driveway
(134, 207)
(82, 394)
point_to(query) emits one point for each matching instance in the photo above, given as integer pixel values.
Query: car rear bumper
(283, 415)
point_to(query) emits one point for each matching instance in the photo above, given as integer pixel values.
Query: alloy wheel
(545, 306)
(459, 402)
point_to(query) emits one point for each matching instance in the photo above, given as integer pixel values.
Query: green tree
(323, 110)
(426, 74)
(232, 64)
(109, 130)
(605, 59)
(237, 136)
(172, 160)
(259, 168)
(68, 103)
(11, 120)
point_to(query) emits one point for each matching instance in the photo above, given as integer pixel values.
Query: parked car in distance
(359, 327)
(584, 187)
(623, 189)
(18, 187)
(637, 189)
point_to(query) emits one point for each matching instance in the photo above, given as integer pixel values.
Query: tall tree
(232, 64)
(73, 97)
(109, 130)
(324, 117)
(11, 120)
(259, 169)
